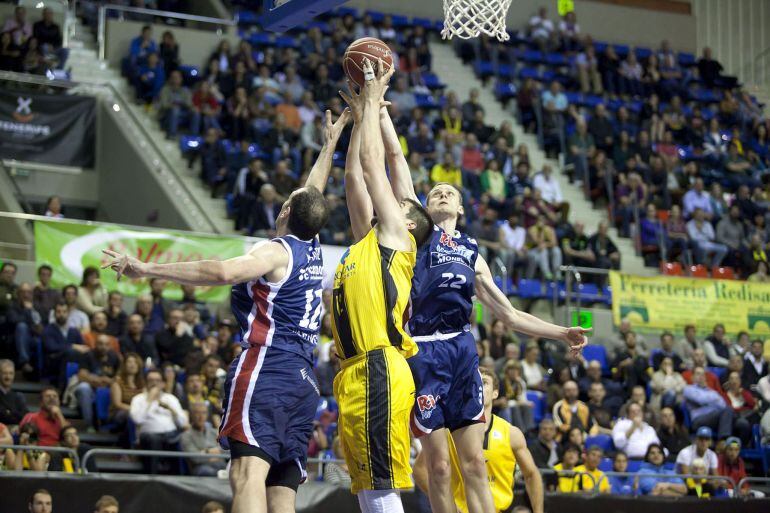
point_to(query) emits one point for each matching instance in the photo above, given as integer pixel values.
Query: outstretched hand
(376, 83)
(332, 131)
(123, 264)
(576, 338)
(355, 102)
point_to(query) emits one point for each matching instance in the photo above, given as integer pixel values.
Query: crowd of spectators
(660, 407)
(257, 110)
(669, 144)
(31, 47)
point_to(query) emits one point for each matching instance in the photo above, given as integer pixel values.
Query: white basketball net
(471, 18)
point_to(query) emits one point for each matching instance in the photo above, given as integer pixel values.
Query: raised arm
(261, 260)
(400, 177)
(359, 203)
(357, 197)
(494, 299)
(319, 173)
(391, 226)
(532, 479)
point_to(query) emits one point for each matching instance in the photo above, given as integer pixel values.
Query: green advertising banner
(70, 247)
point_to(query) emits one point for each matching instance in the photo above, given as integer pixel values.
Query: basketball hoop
(471, 18)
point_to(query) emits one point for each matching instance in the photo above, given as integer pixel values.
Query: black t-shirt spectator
(47, 34)
(106, 365)
(634, 374)
(144, 346)
(709, 70)
(674, 441)
(601, 128)
(13, 407)
(602, 248)
(173, 348)
(116, 325)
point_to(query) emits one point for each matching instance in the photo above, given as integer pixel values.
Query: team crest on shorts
(426, 404)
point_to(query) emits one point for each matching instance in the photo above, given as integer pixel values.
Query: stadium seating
(598, 353)
(603, 441)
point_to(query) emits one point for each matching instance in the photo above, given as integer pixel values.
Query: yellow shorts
(375, 394)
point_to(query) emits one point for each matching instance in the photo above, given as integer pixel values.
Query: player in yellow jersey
(375, 389)
(504, 448)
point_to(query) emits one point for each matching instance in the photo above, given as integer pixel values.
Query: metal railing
(749, 480)
(638, 476)
(153, 454)
(101, 37)
(572, 272)
(72, 452)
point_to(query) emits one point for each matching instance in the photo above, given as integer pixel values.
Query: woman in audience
(621, 485)
(171, 384)
(128, 383)
(33, 60)
(169, 52)
(575, 437)
(53, 208)
(513, 403)
(92, 296)
(534, 373)
(744, 406)
(496, 339)
(654, 464)
(667, 386)
(222, 55)
(239, 115)
(27, 459)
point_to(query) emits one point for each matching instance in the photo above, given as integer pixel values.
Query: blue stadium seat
(556, 59)
(376, 16)
(399, 20)
(607, 295)
(686, 59)
(589, 293)
(600, 46)
(538, 410)
(432, 81)
(71, 369)
(686, 419)
(621, 50)
(606, 465)
(643, 53)
(504, 90)
(597, 352)
(530, 289)
(247, 17)
(483, 69)
(286, 42)
(603, 441)
(634, 465)
(422, 22)
(190, 74)
(757, 451)
(347, 11)
(532, 56)
(426, 101)
(190, 143)
(718, 371)
(559, 289)
(260, 39)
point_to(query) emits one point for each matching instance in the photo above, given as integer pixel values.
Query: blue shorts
(449, 393)
(270, 401)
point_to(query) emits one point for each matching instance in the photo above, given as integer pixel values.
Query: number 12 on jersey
(308, 322)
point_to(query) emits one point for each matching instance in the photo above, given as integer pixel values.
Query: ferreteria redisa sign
(670, 303)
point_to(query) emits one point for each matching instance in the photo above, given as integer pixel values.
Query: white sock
(380, 501)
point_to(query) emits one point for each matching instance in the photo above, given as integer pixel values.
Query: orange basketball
(366, 47)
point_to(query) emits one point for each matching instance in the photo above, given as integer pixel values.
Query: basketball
(366, 47)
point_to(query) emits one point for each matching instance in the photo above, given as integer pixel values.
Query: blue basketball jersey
(443, 284)
(284, 315)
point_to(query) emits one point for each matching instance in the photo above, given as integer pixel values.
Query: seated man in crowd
(699, 449)
(202, 437)
(571, 412)
(61, 342)
(707, 407)
(159, 418)
(632, 434)
(97, 369)
(49, 420)
(13, 406)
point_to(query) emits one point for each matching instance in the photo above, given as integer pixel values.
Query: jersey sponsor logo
(306, 375)
(458, 254)
(311, 272)
(447, 240)
(497, 435)
(426, 404)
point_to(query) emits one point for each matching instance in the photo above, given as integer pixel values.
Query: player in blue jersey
(270, 392)
(448, 273)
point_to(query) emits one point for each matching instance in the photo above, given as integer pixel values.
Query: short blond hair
(105, 501)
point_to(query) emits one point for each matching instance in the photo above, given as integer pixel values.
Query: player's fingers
(389, 73)
(110, 252)
(345, 97)
(328, 117)
(380, 68)
(351, 87)
(108, 264)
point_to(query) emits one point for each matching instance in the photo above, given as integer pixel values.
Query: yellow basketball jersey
(501, 463)
(371, 292)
